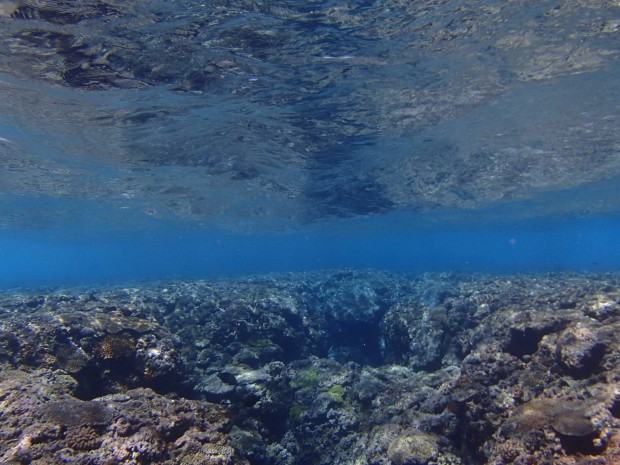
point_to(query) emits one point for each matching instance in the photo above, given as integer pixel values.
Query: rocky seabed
(340, 367)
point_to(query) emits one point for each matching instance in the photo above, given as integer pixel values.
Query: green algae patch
(336, 392)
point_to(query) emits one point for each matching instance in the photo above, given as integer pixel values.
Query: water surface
(353, 127)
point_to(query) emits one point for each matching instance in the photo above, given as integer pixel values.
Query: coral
(71, 359)
(579, 349)
(41, 419)
(100, 350)
(210, 455)
(447, 459)
(115, 346)
(108, 323)
(413, 448)
(123, 427)
(83, 438)
(415, 335)
(90, 459)
(336, 392)
(307, 380)
(568, 418)
(73, 412)
(341, 367)
(145, 446)
(296, 412)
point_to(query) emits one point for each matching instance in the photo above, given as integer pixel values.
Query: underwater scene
(321, 232)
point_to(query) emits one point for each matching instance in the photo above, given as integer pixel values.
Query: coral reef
(343, 367)
(42, 421)
(101, 348)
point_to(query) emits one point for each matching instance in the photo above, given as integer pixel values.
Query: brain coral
(83, 438)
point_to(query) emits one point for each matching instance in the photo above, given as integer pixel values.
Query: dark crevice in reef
(89, 383)
(358, 342)
(524, 341)
(580, 445)
(615, 407)
(340, 368)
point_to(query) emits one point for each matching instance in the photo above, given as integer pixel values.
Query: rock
(415, 335)
(568, 418)
(41, 419)
(445, 369)
(413, 448)
(215, 389)
(580, 349)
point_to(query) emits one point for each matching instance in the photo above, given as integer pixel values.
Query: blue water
(35, 259)
(157, 140)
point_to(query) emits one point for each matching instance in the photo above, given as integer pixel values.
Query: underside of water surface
(272, 115)
(189, 125)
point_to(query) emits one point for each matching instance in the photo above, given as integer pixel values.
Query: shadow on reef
(343, 367)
